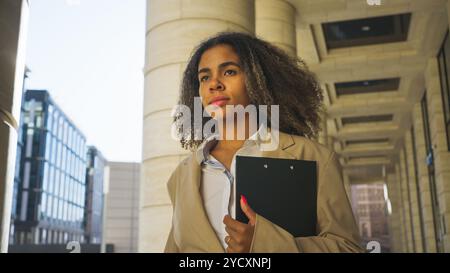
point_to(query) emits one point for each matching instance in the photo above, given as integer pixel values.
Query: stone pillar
(438, 136)
(13, 23)
(424, 183)
(406, 218)
(394, 219)
(174, 27)
(412, 185)
(332, 145)
(401, 209)
(323, 134)
(324, 137)
(275, 23)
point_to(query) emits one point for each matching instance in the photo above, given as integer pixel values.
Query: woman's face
(221, 79)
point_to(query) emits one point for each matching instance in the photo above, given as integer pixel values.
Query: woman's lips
(219, 102)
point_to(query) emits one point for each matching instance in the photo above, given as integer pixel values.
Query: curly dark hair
(272, 77)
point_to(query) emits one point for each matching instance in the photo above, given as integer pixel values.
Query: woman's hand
(240, 235)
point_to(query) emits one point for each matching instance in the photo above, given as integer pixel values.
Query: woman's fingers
(237, 238)
(251, 215)
(230, 242)
(233, 224)
(233, 245)
(232, 232)
(240, 235)
(230, 250)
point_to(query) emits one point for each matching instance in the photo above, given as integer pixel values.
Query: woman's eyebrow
(229, 63)
(222, 65)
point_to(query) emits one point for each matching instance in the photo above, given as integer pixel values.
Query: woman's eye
(204, 78)
(230, 72)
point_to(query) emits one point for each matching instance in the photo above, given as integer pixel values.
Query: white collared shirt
(218, 185)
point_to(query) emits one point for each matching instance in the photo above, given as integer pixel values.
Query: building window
(63, 213)
(444, 75)
(71, 183)
(44, 236)
(75, 144)
(48, 126)
(55, 208)
(54, 180)
(79, 194)
(44, 205)
(60, 127)
(76, 193)
(418, 188)
(75, 169)
(57, 181)
(38, 120)
(53, 150)
(47, 146)
(64, 135)
(46, 177)
(431, 176)
(59, 162)
(69, 135)
(63, 158)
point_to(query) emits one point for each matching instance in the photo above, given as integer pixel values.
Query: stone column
(13, 23)
(424, 183)
(323, 134)
(406, 220)
(440, 146)
(275, 23)
(412, 185)
(174, 27)
(394, 219)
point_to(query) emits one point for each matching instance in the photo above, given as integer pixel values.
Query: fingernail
(244, 199)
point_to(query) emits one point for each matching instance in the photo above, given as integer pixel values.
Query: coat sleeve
(337, 231)
(171, 246)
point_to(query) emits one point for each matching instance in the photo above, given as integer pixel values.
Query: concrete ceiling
(406, 60)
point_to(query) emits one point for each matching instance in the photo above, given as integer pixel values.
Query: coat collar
(198, 217)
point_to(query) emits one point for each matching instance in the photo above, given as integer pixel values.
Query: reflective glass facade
(50, 186)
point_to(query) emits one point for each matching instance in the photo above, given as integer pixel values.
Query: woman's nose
(216, 85)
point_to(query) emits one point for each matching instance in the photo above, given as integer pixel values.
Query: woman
(237, 69)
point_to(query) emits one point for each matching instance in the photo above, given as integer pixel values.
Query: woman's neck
(234, 143)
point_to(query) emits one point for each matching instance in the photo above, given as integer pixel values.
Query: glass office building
(50, 183)
(94, 196)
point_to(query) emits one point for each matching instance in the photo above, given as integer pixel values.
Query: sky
(89, 54)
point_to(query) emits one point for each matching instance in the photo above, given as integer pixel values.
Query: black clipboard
(284, 191)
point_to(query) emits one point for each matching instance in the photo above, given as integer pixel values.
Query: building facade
(50, 184)
(122, 207)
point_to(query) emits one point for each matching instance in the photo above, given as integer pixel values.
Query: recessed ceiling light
(365, 28)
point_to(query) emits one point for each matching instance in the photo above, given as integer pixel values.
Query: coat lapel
(199, 220)
(286, 145)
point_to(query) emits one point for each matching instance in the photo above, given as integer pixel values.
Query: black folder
(284, 191)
